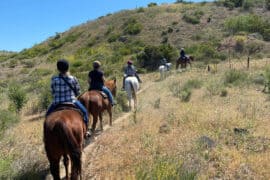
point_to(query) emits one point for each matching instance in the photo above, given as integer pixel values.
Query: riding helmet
(96, 64)
(62, 65)
(129, 62)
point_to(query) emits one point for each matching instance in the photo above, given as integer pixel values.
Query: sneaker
(87, 134)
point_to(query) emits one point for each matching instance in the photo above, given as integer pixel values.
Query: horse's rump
(63, 135)
(131, 85)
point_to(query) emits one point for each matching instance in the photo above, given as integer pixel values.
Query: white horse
(164, 70)
(131, 87)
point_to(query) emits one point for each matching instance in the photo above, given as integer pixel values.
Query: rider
(96, 81)
(183, 54)
(130, 70)
(164, 62)
(65, 88)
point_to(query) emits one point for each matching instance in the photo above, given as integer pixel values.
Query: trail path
(91, 143)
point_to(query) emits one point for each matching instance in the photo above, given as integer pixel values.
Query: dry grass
(122, 150)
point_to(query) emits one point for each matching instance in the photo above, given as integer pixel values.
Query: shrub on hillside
(152, 4)
(17, 96)
(151, 56)
(248, 4)
(140, 10)
(164, 168)
(59, 42)
(249, 23)
(7, 118)
(234, 77)
(36, 50)
(267, 4)
(132, 27)
(191, 19)
(113, 38)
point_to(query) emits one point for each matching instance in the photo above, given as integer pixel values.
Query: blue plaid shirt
(62, 92)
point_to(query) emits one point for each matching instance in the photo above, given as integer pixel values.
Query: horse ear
(114, 80)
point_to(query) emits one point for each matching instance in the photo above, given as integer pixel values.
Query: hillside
(171, 118)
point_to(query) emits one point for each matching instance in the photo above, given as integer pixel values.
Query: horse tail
(133, 91)
(68, 143)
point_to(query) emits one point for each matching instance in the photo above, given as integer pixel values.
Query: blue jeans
(108, 93)
(78, 105)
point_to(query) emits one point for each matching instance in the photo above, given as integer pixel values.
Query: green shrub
(121, 99)
(113, 38)
(151, 56)
(7, 118)
(35, 51)
(140, 10)
(267, 4)
(185, 94)
(214, 88)
(223, 92)
(193, 84)
(152, 4)
(250, 23)
(45, 98)
(59, 42)
(132, 27)
(234, 77)
(165, 168)
(109, 30)
(5, 166)
(17, 96)
(248, 4)
(191, 19)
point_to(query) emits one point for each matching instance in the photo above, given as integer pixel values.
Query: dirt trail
(91, 143)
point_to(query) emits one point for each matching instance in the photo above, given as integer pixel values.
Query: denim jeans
(108, 93)
(78, 104)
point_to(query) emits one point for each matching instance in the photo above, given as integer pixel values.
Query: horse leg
(135, 101)
(76, 166)
(95, 119)
(110, 114)
(66, 163)
(100, 121)
(54, 167)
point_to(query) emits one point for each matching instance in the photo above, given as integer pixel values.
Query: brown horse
(63, 136)
(96, 104)
(184, 62)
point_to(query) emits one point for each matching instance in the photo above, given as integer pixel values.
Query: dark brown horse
(184, 62)
(63, 136)
(96, 104)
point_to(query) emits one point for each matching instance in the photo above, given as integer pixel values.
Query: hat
(96, 64)
(182, 48)
(62, 65)
(129, 62)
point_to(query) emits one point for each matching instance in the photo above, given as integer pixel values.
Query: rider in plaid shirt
(63, 93)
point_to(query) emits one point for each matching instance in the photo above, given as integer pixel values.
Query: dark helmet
(96, 64)
(62, 65)
(129, 62)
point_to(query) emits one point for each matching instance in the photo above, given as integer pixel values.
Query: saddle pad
(103, 94)
(67, 106)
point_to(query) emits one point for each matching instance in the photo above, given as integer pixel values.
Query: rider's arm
(77, 86)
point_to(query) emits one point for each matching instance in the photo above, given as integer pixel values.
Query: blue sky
(28, 22)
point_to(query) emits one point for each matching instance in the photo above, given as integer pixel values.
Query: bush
(214, 88)
(164, 168)
(151, 56)
(152, 4)
(191, 19)
(234, 77)
(17, 96)
(140, 10)
(267, 4)
(185, 94)
(113, 38)
(249, 23)
(132, 27)
(193, 84)
(121, 100)
(248, 4)
(7, 118)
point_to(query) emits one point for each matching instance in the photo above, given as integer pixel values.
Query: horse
(64, 131)
(96, 103)
(131, 87)
(184, 62)
(164, 69)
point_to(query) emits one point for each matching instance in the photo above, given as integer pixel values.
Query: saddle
(67, 106)
(103, 94)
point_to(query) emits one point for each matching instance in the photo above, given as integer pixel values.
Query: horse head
(191, 58)
(111, 85)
